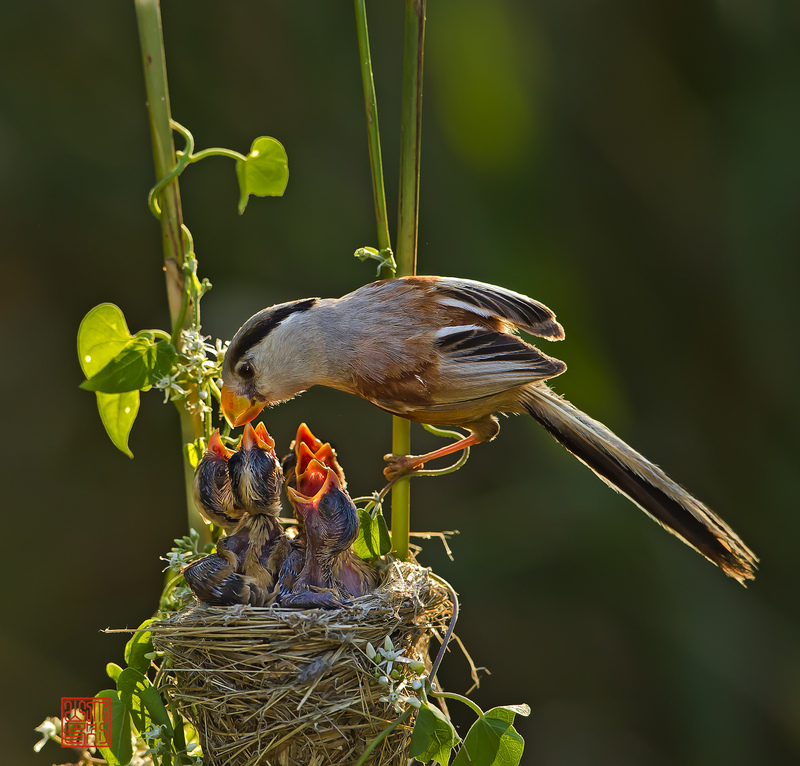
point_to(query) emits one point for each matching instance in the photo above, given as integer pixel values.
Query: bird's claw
(399, 465)
(315, 598)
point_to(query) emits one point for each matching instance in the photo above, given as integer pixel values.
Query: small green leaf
(433, 737)
(113, 670)
(102, 334)
(385, 259)
(130, 685)
(492, 741)
(194, 451)
(138, 366)
(140, 644)
(373, 537)
(179, 735)
(265, 171)
(118, 413)
(121, 750)
(151, 699)
(507, 712)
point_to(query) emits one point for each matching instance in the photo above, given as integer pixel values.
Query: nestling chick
(445, 351)
(330, 575)
(244, 569)
(255, 471)
(312, 449)
(217, 579)
(211, 487)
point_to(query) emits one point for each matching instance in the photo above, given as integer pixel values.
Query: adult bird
(446, 352)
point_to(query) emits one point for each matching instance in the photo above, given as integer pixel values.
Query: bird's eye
(246, 371)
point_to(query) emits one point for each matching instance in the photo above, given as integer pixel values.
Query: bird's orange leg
(400, 464)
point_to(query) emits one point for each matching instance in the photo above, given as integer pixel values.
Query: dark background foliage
(635, 166)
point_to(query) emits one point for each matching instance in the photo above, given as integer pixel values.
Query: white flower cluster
(198, 367)
(401, 689)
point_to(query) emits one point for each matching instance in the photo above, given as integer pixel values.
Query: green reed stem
(408, 219)
(151, 39)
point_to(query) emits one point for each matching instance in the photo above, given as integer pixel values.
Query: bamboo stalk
(151, 40)
(408, 220)
(373, 130)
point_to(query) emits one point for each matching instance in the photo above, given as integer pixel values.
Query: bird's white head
(266, 360)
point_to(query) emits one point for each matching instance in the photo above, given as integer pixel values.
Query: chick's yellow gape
(445, 352)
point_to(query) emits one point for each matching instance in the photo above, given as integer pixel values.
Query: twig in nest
(443, 536)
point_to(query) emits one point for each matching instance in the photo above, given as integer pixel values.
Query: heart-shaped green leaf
(373, 536)
(118, 413)
(140, 364)
(102, 334)
(265, 171)
(433, 737)
(491, 741)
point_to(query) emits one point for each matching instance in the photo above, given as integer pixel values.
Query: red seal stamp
(85, 722)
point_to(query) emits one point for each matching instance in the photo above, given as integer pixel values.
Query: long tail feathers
(628, 472)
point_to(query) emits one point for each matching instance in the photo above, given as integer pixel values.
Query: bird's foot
(316, 598)
(399, 465)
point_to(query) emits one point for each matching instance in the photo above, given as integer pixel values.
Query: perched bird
(244, 568)
(211, 486)
(331, 571)
(445, 351)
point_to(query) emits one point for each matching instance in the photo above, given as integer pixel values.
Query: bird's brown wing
(492, 301)
(475, 362)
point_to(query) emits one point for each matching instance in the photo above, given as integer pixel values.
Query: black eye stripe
(256, 332)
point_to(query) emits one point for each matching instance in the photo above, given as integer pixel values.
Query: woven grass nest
(284, 687)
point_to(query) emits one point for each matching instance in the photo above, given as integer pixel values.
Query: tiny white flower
(48, 730)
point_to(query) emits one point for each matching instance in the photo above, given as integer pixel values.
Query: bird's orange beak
(304, 436)
(256, 437)
(238, 410)
(326, 455)
(216, 446)
(265, 441)
(304, 458)
(299, 500)
(309, 482)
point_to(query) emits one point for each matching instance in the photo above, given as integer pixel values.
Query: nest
(283, 687)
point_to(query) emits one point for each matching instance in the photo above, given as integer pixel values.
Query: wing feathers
(511, 307)
(473, 345)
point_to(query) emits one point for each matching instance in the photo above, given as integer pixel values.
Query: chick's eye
(246, 371)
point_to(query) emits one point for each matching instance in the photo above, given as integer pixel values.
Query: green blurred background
(633, 165)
